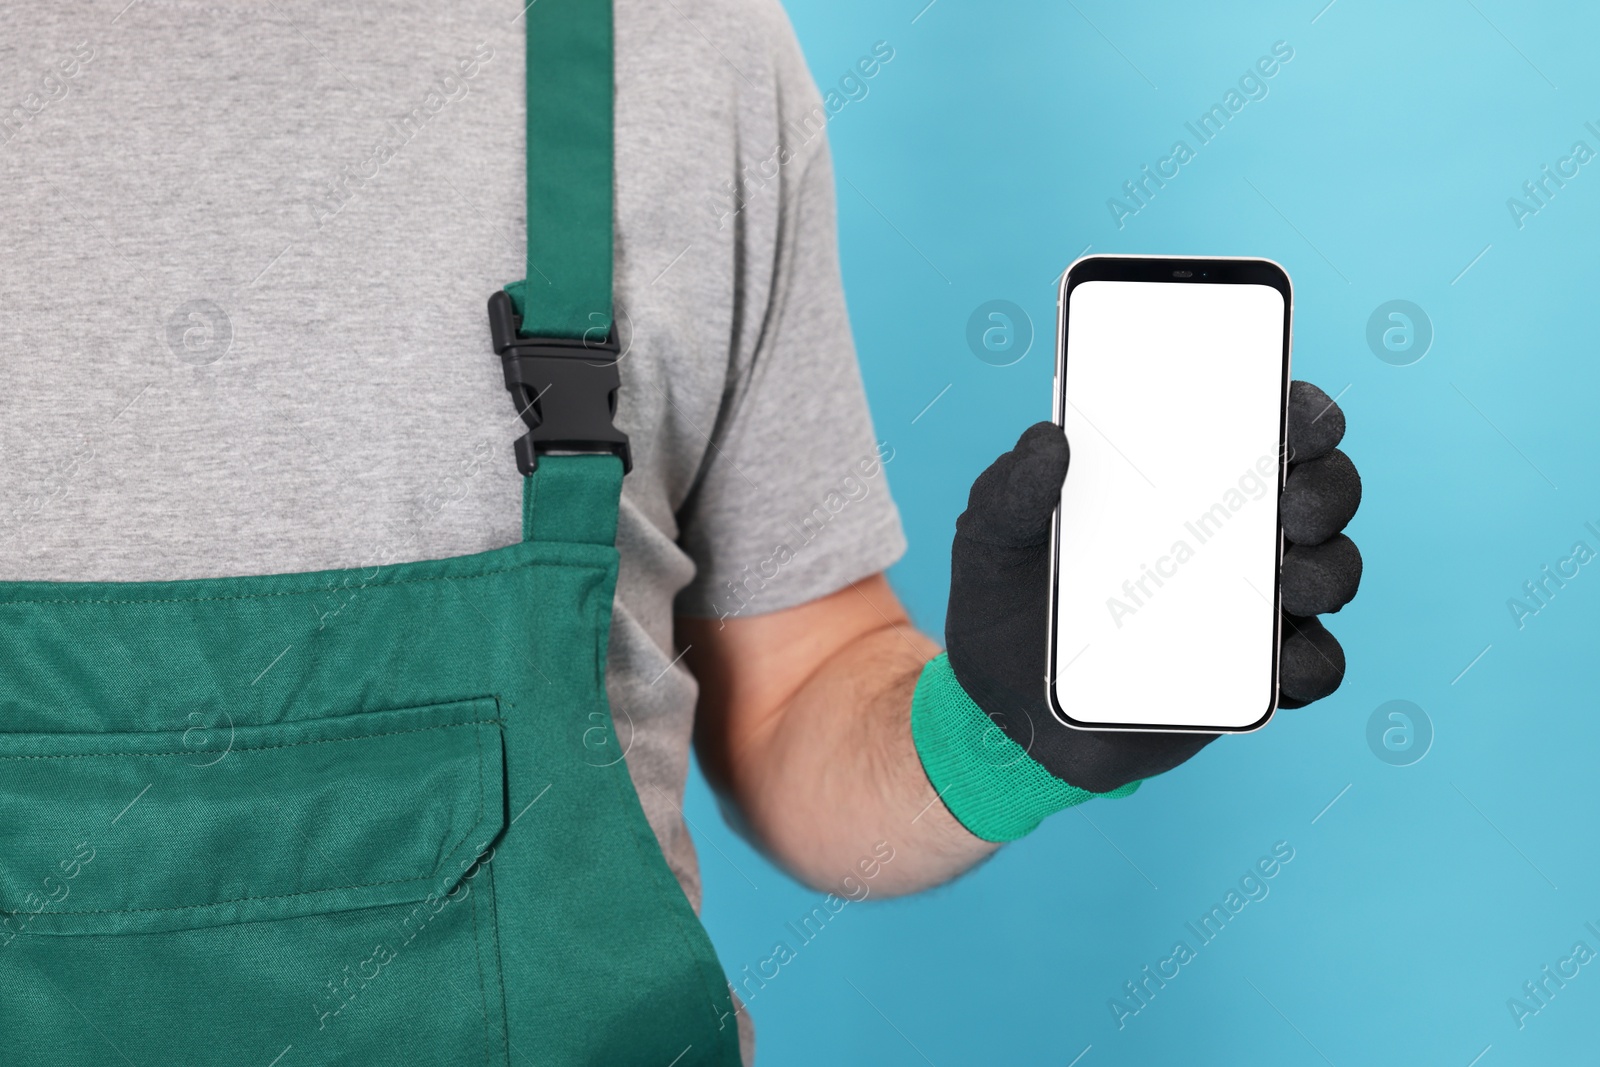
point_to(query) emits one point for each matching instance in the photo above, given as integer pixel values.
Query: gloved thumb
(1011, 503)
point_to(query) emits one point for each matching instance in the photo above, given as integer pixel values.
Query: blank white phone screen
(1168, 532)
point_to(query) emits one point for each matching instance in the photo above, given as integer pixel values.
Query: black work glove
(995, 630)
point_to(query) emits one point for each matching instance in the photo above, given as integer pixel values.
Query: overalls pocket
(306, 892)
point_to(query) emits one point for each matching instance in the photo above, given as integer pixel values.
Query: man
(247, 249)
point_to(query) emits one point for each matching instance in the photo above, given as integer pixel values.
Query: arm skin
(804, 729)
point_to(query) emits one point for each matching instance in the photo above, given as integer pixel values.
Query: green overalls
(375, 816)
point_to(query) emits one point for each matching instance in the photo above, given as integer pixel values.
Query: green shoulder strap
(554, 328)
(567, 290)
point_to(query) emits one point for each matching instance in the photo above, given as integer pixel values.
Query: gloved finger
(1316, 423)
(1319, 497)
(1318, 579)
(1012, 501)
(1103, 760)
(1310, 662)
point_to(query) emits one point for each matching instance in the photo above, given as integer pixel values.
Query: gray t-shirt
(247, 247)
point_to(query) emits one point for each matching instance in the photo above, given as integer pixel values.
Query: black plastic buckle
(567, 398)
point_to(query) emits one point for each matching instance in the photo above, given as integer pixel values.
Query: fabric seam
(320, 589)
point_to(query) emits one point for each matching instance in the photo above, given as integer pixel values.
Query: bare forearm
(840, 775)
(830, 777)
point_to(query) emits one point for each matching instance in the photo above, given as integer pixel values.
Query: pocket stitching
(483, 816)
(267, 748)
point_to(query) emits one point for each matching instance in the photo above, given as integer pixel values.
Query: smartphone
(1172, 383)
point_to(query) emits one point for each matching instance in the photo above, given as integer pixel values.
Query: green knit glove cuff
(988, 781)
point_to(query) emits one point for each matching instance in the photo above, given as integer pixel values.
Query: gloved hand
(995, 630)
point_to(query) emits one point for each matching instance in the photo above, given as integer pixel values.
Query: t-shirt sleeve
(795, 504)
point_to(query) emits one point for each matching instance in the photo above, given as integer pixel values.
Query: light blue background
(1378, 167)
